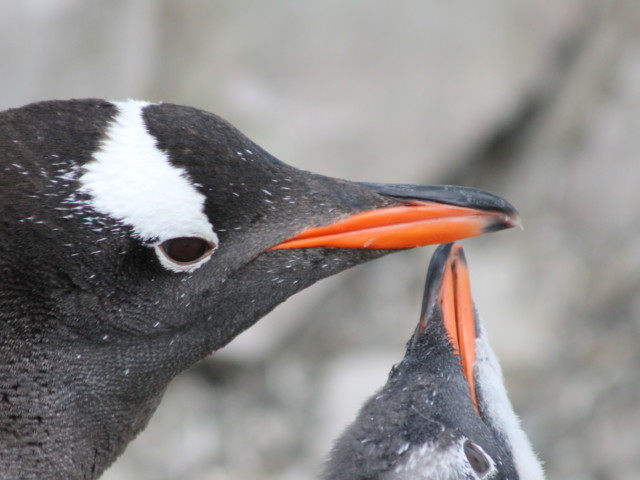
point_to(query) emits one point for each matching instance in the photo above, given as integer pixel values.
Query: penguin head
(146, 221)
(137, 238)
(444, 412)
(134, 220)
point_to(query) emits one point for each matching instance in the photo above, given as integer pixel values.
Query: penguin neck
(68, 412)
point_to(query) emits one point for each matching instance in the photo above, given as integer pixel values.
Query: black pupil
(186, 249)
(476, 458)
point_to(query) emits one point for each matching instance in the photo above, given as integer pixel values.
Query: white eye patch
(429, 461)
(131, 180)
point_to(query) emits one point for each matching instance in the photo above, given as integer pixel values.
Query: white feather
(428, 462)
(132, 181)
(497, 409)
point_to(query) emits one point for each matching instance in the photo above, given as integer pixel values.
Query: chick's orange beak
(458, 313)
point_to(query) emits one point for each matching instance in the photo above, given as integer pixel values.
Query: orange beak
(414, 223)
(459, 314)
(448, 290)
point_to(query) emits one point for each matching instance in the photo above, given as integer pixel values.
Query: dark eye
(477, 459)
(186, 250)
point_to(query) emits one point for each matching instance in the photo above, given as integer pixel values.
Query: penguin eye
(477, 458)
(187, 250)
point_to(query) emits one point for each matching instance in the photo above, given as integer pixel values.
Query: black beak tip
(509, 219)
(454, 195)
(435, 274)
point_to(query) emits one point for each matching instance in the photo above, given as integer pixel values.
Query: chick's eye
(185, 250)
(477, 459)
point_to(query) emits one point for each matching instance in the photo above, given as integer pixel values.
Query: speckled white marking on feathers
(428, 462)
(133, 181)
(497, 409)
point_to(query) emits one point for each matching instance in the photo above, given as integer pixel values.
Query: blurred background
(536, 100)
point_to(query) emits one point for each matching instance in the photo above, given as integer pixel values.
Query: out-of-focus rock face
(409, 92)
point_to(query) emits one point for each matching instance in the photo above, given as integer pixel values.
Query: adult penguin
(137, 238)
